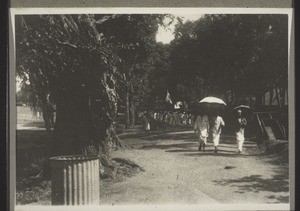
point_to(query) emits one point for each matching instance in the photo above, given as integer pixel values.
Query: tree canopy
(244, 54)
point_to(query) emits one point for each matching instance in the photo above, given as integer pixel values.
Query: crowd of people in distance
(170, 118)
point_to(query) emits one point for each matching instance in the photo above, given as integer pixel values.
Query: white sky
(165, 35)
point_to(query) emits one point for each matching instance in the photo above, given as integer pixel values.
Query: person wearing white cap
(240, 124)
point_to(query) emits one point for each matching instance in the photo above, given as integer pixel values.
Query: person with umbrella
(201, 128)
(217, 124)
(240, 124)
(213, 104)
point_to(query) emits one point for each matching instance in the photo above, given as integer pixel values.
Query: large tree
(73, 63)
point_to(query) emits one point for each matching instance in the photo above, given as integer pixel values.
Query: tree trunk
(278, 97)
(132, 114)
(73, 131)
(283, 95)
(271, 97)
(127, 112)
(259, 100)
(232, 97)
(132, 107)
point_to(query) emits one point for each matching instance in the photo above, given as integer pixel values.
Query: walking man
(201, 128)
(240, 124)
(217, 123)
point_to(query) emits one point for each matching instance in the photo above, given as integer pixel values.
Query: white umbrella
(211, 103)
(212, 100)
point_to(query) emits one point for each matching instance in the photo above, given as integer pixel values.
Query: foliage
(137, 33)
(150, 78)
(73, 64)
(244, 54)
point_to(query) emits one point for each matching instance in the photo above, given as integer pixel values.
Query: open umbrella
(212, 103)
(212, 100)
(246, 110)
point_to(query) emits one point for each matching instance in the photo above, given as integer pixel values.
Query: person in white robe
(217, 124)
(240, 124)
(201, 128)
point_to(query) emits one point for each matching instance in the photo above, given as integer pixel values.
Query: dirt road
(175, 172)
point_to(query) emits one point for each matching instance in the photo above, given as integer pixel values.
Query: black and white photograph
(153, 107)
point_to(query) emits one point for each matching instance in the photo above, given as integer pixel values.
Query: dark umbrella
(247, 111)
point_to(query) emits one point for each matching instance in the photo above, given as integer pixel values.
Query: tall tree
(72, 63)
(133, 37)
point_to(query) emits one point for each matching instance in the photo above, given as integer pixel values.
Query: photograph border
(139, 10)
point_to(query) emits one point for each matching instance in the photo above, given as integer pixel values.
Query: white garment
(201, 123)
(147, 126)
(203, 136)
(216, 139)
(218, 123)
(201, 127)
(240, 138)
(217, 128)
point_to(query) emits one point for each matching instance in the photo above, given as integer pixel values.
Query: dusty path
(176, 172)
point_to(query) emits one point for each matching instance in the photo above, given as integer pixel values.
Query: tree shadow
(255, 183)
(154, 135)
(280, 199)
(185, 137)
(31, 147)
(29, 136)
(187, 140)
(168, 146)
(232, 140)
(212, 154)
(182, 150)
(35, 124)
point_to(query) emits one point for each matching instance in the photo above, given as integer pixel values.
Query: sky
(164, 34)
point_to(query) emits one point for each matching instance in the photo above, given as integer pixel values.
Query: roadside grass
(26, 115)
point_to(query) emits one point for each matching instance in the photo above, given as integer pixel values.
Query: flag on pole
(168, 97)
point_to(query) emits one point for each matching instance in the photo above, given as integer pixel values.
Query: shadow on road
(31, 136)
(255, 183)
(169, 146)
(183, 137)
(280, 199)
(31, 148)
(35, 124)
(224, 153)
(182, 150)
(153, 135)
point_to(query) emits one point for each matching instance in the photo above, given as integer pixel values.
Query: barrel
(75, 180)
